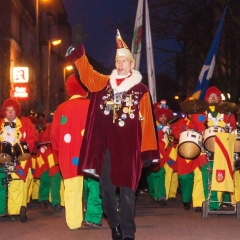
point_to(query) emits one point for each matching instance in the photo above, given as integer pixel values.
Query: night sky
(100, 20)
(94, 16)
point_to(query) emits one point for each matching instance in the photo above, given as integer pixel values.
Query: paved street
(153, 222)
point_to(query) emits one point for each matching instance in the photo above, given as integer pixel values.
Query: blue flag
(208, 67)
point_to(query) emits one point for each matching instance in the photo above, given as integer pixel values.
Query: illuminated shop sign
(21, 91)
(20, 74)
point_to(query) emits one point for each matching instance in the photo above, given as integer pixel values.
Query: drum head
(5, 152)
(237, 146)
(189, 150)
(209, 144)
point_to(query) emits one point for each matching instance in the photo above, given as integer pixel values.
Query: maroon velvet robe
(130, 144)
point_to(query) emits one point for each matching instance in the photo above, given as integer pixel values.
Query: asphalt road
(153, 222)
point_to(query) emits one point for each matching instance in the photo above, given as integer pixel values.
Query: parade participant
(189, 173)
(159, 178)
(34, 189)
(66, 138)
(48, 170)
(202, 122)
(119, 134)
(16, 130)
(40, 125)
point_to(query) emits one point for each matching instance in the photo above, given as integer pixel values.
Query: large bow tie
(11, 124)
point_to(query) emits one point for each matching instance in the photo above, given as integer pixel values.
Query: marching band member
(49, 172)
(160, 176)
(34, 188)
(202, 122)
(189, 173)
(14, 130)
(119, 134)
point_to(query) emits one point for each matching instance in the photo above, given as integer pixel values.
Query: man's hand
(77, 35)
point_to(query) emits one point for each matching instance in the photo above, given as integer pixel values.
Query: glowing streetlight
(65, 69)
(56, 42)
(68, 68)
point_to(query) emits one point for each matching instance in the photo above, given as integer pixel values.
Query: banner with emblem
(137, 35)
(222, 173)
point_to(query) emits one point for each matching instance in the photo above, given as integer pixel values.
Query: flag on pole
(150, 61)
(208, 67)
(137, 35)
(222, 173)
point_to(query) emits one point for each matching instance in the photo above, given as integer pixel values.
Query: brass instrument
(169, 135)
(171, 121)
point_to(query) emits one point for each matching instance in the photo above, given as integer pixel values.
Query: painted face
(213, 98)
(162, 119)
(10, 113)
(123, 65)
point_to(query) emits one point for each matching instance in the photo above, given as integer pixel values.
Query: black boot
(116, 233)
(186, 205)
(198, 209)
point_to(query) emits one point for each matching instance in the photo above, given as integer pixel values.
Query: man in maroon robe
(119, 133)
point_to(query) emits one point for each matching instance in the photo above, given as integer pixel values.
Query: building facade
(32, 69)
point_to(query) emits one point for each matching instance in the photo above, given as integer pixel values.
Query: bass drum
(209, 137)
(190, 142)
(5, 152)
(22, 151)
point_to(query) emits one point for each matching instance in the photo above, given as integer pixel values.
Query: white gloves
(166, 129)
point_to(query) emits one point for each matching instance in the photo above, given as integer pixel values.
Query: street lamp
(37, 51)
(65, 69)
(48, 100)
